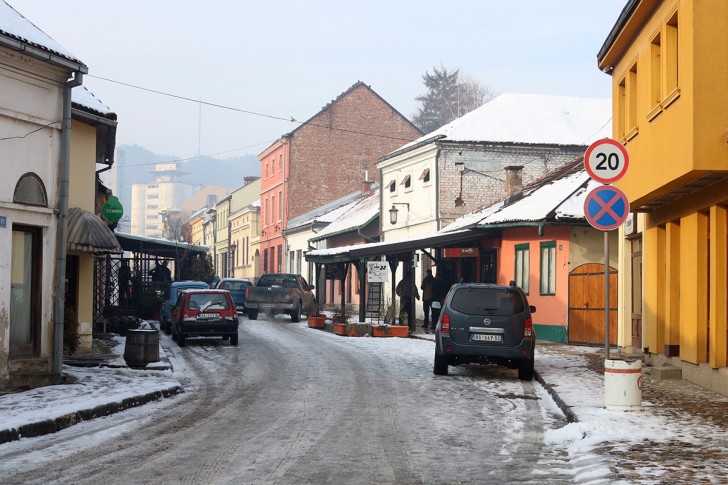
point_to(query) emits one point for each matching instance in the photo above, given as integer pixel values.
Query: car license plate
(485, 337)
(206, 316)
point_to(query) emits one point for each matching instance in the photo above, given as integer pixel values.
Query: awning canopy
(157, 247)
(86, 232)
(385, 248)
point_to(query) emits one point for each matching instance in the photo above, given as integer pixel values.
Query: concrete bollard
(623, 385)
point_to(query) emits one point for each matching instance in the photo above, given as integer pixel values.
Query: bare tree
(449, 96)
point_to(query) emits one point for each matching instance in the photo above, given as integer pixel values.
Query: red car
(204, 313)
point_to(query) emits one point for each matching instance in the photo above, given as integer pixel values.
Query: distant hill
(138, 162)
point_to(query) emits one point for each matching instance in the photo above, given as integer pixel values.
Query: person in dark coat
(439, 292)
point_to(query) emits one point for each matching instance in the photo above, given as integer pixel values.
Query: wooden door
(586, 305)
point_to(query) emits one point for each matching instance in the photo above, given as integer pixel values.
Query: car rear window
(204, 301)
(282, 281)
(487, 301)
(234, 285)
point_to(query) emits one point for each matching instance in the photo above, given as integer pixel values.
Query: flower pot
(340, 329)
(317, 322)
(390, 331)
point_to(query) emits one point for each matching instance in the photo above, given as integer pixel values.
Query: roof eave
(42, 54)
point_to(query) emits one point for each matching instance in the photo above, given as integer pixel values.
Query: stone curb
(570, 415)
(48, 426)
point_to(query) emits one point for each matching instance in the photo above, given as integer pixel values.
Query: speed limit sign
(606, 160)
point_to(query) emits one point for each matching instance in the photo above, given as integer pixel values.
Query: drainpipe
(65, 169)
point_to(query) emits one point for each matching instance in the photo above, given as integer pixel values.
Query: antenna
(199, 128)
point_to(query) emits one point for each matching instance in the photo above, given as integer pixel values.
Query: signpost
(606, 207)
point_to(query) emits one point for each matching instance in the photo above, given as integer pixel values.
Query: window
(280, 258)
(523, 263)
(25, 296)
(392, 186)
(265, 260)
(622, 108)
(291, 261)
(152, 196)
(406, 181)
(632, 100)
(152, 186)
(548, 268)
(671, 59)
(425, 177)
(211, 200)
(299, 259)
(280, 162)
(152, 216)
(30, 191)
(280, 205)
(656, 71)
(266, 169)
(273, 209)
(152, 206)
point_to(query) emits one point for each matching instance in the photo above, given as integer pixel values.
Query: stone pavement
(692, 447)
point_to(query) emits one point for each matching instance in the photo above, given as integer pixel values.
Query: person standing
(124, 278)
(439, 292)
(427, 294)
(407, 293)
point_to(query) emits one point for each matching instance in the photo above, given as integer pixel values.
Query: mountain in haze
(138, 164)
(135, 164)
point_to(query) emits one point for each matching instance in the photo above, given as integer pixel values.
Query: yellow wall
(82, 185)
(675, 134)
(681, 133)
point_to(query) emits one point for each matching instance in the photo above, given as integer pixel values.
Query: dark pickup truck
(280, 293)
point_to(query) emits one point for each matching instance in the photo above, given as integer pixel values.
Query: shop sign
(460, 252)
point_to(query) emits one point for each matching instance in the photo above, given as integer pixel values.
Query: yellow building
(669, 66)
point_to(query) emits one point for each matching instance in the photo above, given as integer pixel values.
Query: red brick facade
(330, 153)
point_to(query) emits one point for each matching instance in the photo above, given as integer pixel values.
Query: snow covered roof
(327, 213)
(358, 215)
(86, 100)
(537, 119)
(558, 196)
(17, 27)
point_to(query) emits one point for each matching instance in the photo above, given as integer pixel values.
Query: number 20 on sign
(606, 161)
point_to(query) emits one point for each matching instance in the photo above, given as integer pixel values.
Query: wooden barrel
(142, 347)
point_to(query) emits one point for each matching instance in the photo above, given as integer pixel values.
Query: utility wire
(199, 156)
(240, 110)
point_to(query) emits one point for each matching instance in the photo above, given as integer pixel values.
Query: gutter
(61, 250)
(77, 67)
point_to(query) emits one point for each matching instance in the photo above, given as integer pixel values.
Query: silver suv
(484, 323)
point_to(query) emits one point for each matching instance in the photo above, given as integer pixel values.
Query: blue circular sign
(606, 208)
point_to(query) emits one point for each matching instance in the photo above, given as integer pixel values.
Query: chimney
(514, 180)
(249, 179)
(366, 185)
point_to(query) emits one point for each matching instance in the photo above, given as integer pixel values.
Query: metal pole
(606, 294)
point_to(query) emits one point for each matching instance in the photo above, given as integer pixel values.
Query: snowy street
(296, 405)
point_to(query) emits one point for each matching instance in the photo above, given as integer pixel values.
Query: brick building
(324, 159)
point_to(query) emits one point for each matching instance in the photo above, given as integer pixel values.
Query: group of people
(434, 289)
(160, 274)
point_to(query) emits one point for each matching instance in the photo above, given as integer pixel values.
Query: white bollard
(623, 385)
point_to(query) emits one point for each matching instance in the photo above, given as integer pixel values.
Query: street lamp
(394, 211)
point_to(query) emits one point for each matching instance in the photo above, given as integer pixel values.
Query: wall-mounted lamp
(393, 212)
(278, 227)
(262, 233)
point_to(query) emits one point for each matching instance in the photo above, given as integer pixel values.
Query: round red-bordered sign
(606, 207)
(606, 160)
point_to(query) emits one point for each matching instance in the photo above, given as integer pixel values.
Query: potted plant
(391, 328)
(315, 318)
(340, 320)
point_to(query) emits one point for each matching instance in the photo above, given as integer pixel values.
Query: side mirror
(311, 287)
(436, 305)
(532, 308)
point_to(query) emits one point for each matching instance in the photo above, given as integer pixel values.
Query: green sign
(112, 210)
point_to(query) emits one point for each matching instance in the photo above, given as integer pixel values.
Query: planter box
(390, 331)
(351, 329)
(317, 322)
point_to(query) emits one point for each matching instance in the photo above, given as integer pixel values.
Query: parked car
(169, 298)
(280, 293)
(485, 323)
(204, 313)
(238, 290)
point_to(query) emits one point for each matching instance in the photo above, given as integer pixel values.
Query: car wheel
(253, 314)
(296, 315)
(234, 340)
(181, 339)
(166, 326)
(174, 334)
(525, 370)
(440, 367)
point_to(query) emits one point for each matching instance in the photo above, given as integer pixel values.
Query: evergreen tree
(449, 96)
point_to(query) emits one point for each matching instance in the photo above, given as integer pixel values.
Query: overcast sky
(288, 59)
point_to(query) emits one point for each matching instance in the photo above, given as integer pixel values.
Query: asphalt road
(293, 405)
